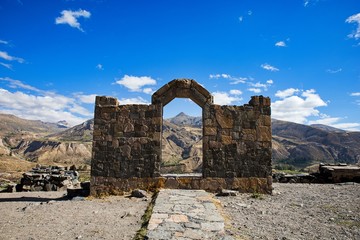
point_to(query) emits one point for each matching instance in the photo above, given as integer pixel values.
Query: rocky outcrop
(46, 152)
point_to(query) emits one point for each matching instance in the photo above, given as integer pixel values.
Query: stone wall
(127, 143)
(237, 140)
(126, 139)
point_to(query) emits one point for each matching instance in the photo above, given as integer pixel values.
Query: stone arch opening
(182, 133)
(183, 88)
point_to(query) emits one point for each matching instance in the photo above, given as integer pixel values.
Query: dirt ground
(294, 211)
(45, 215)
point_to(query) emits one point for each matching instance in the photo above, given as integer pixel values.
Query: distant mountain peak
(182, 119)
(182, 114)
(63, 124)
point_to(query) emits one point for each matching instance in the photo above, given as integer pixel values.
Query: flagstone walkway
(186, 214)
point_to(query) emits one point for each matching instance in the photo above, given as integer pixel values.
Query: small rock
(226, 193)
(138, 193)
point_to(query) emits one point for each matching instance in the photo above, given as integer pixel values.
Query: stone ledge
(101, 186)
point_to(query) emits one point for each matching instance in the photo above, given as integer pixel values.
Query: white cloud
(235, 92)
(269, 67)
(9, 66)
(355, 94)
(4, 42)
(148, 90)
(296, 108)
(137, 100)
(7, 57)
(306, 3)
(234, 80)
(223, 98)
(41, 105)
(334, 122)
(18, 84)
(100, 66)
(90, 98)
(250, 12)
(48, 108)
(258, 85)
(254, 90)
(334, 70)
(270, 81)
(134, 84)
(354, 19)
(241, 18)
(286, 93)
(71, 18)
(280, 44)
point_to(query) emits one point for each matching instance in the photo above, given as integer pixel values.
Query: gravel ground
(41, 215)
(295, 211)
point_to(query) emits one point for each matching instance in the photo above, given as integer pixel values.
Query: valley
(25, 143)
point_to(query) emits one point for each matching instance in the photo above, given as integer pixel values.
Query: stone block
(223, 120)
(263, 134)
(210, 131)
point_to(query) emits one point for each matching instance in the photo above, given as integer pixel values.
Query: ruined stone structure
(127, 144)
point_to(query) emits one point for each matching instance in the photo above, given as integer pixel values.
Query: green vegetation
(257, 195)
(141, 234)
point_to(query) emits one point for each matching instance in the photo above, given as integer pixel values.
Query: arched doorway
(183, 88)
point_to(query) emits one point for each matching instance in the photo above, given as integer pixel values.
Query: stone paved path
(186, 214)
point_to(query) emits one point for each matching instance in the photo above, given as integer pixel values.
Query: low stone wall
(101, 186)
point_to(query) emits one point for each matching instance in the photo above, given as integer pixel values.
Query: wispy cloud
(8, 66)
(4, 42)
(254, 90)
(90, 98)
(335, 122)
(71, 18)
(306, 3)
(6, 56)
(99, 67)
(242, 17)
(269, 67)
(148, 90)
(224, 98)
(13, 83)
(135, 84)
(258, 87)
(235, 92)
(297, 105)
(137, 100)
(354, 19)
(42, 105)
(286, 93)
(334, 70)
(280, 44)
(234, 80)
(356, 94)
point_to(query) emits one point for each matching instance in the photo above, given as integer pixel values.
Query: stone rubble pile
(48, 178)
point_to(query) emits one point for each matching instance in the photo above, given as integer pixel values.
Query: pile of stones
(48, 178)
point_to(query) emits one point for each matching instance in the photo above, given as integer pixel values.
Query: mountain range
(24, 143)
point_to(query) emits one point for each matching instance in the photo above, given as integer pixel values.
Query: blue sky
(55, 56)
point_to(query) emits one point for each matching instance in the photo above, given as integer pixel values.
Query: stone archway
(127, 143)
(183, 88)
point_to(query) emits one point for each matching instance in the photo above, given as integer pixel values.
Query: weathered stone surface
(127, 143)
